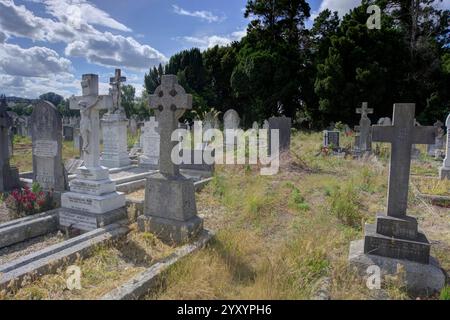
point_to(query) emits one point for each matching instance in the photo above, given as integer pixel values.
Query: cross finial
(364, 111)
(170, 101)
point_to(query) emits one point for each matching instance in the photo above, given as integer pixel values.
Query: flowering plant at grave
(25, 201)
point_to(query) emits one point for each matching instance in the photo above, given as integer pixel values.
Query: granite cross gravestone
(114, 128)
(445, 170)
(395, 239)
(9, 175)
(170, 210)
(364, 138)
(396, 235)
(150, 145)
(46, 133)
(92, 201)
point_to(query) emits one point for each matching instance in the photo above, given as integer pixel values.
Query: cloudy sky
(46, 45)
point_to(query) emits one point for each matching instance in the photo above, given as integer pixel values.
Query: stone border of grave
(145, 281)
(49, 259)
(19, 230)
(23, 229)
(440, 201)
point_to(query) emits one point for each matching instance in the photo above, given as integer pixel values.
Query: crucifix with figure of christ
(89, 104)
(116, 85)
(170, 102)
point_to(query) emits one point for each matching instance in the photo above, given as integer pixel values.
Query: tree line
(321, 74)
(315, 75)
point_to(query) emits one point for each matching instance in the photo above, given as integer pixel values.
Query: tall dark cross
(170, 102)
(5, 124)
(402, 135)
(116, 84)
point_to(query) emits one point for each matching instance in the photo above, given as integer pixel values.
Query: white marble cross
(402, 135)
(170, 102)
(89, 104)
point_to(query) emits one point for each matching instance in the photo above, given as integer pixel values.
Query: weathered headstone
(68, 132)
(444, 172)
(231, 123)
(92, 201)
(114, 128)
(331, 139)
(384, 122)
(283, 125)
(133, 126)
(439, 142)
(46, 133)
(364, 140)
(395, 237)
(170, 209)
(150, 145)
(9, 175)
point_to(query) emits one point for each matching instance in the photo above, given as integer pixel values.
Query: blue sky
(46, 45)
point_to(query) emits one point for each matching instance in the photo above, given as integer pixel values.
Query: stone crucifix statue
(89, 105)
(116, 91)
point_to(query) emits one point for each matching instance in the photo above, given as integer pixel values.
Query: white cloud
(205, 42)
(78, 12)
(32, 62)
(115, 50)
(341, 6)
(204, 15)
(34, 87)
(82, 39)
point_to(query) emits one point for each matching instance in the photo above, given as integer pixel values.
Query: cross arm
(100, 102)
(424, 135)
(382, 133)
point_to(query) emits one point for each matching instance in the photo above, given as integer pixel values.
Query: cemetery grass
(277, 237)
(109, 266)
(288, 236)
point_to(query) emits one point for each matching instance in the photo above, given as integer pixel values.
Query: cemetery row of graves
(95, 208)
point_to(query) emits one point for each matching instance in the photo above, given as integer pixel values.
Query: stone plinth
(420, 279)
(398, 239)
(170, 210)
(115, 144)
